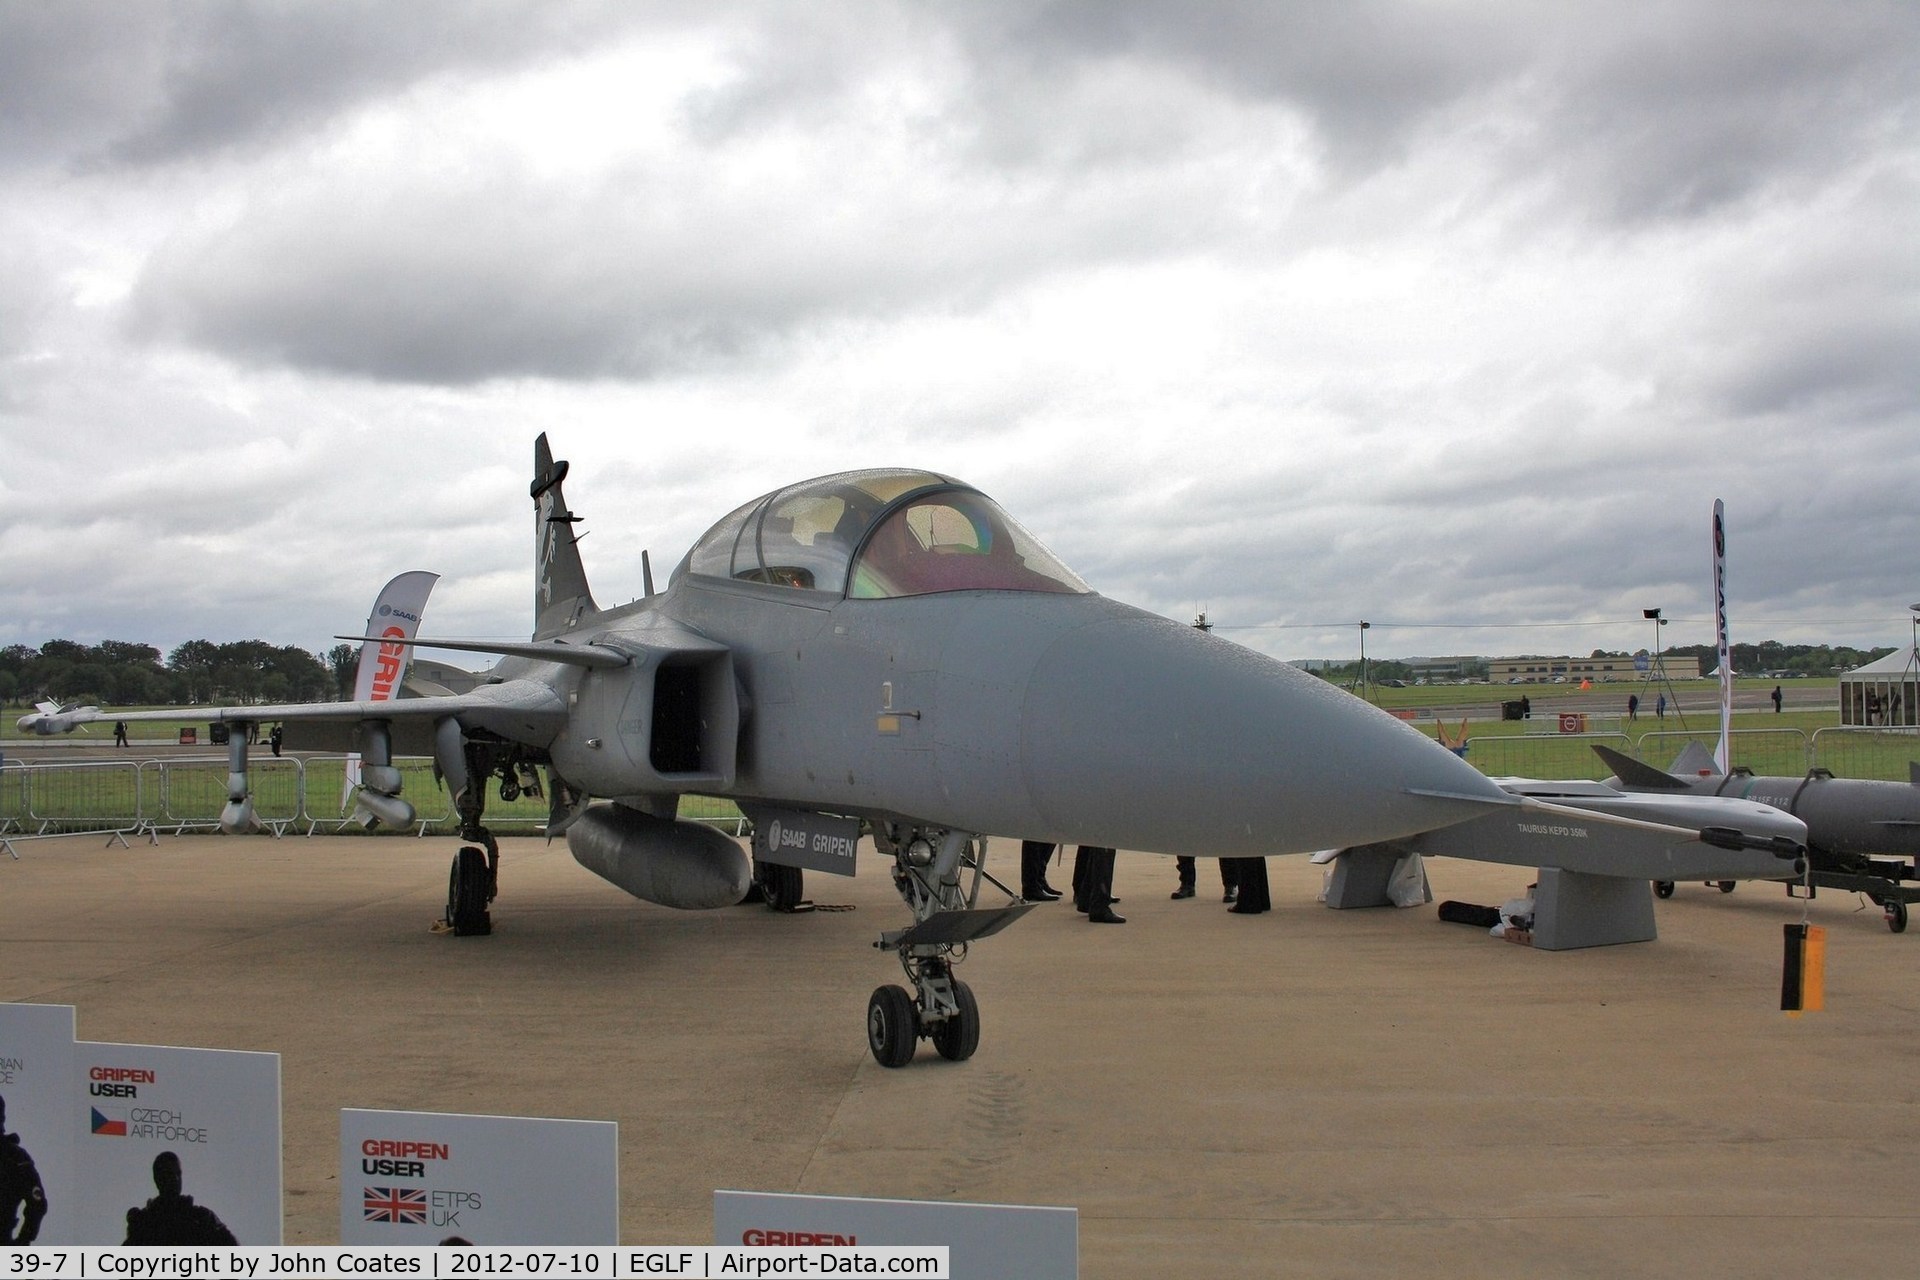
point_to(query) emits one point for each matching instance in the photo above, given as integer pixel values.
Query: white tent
(1884, 692)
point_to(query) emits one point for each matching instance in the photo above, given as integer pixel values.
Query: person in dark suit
(1033, 871)
(1251, 876)
(1093, 884)
(1187, 870)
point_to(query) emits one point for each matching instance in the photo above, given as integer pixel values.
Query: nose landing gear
(927, 870)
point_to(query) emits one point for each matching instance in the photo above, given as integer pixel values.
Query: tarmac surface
(1303, 1093)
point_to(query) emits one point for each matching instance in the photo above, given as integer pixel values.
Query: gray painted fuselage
(1070, 718)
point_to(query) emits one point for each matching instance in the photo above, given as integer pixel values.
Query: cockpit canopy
(877, 534)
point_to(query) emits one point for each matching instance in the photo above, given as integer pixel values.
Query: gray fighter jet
(1862, 835)
(49, 718)
(885, 653)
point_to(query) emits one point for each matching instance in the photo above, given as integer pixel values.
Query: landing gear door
(804, 839)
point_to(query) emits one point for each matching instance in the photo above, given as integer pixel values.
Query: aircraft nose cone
(1165, 739)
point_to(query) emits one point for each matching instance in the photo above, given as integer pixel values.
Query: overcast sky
(1454, 317)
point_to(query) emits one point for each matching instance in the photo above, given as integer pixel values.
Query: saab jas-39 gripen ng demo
(885, 653)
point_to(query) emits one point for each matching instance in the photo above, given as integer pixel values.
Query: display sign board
(419, 1177)
(810, 841)
(176, 1146)
(36, 1122)
(985, 1241)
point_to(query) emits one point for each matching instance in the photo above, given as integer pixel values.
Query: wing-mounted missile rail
(929, 866)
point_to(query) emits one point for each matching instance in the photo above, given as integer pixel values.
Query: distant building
(431, 677)
(1539, 670)
(1439, 670)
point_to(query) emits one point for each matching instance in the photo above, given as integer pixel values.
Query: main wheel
(959, 1036)
(467, 893)
(892, 1026)
(1663, 888)
(782, 887)
(1896, 909)
(1726, 886)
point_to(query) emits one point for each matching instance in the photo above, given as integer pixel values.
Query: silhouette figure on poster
(172, 1218)
(23, 1201)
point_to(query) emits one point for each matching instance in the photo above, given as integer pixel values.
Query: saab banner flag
(1722, 754)
(420, 1178)
(36, 1124)
(396, 616)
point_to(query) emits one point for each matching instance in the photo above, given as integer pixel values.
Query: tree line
(122, 673)
(1771, 656)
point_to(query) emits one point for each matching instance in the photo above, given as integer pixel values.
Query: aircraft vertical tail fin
(560, 593)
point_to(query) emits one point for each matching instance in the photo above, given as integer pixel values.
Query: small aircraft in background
(883, 653)
(49, 718)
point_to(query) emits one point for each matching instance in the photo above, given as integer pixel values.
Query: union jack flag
(403, 1205)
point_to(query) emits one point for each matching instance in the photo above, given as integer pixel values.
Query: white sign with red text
(176, 1146)
(984, 1241)
(421, 1177)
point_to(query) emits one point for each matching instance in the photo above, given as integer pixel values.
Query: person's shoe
(1231, 895)
(1047, 891)
(1105, 916)
(1184, 891)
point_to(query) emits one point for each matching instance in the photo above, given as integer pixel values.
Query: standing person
(1093, 884)
(1776, 699)
(1660, 707)
(120, 733)
(1633, 706)
(1186, 870)
(1033, 871)
(1526, 707)
(275, 738)
(1251, 878)
(23, 1201)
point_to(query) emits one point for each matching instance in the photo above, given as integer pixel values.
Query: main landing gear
(474, 880)
(927, 868)
(472, 884)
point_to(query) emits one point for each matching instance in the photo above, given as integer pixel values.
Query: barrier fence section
(1885, 755)
(1565, 756)
(1771, 752)
(1544, 755)
(118, 798)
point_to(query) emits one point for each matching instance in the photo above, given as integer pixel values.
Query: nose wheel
(896, 1024)
(893, 1025)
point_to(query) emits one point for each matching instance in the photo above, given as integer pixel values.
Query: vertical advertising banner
(396, 616)
(177, 1146)
(1722, 753)
(36, 1125)
(426, 1178)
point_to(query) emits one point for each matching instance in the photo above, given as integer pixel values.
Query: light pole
(1363, 661)
(1910, 677)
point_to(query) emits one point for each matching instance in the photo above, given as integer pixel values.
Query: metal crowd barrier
(1785, 752)
(1885, 755)
(119, 798)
